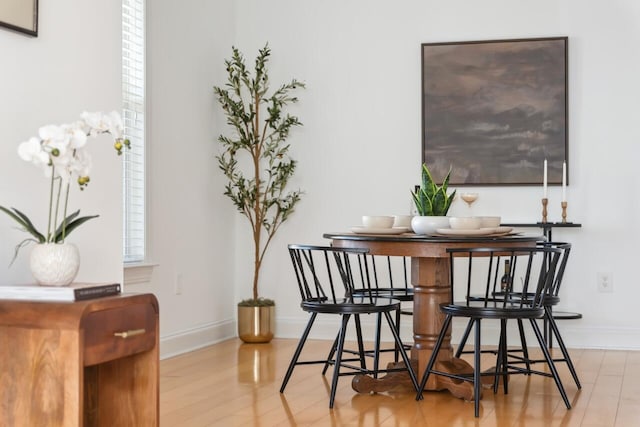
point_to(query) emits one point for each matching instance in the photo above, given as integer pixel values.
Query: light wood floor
(236, 384)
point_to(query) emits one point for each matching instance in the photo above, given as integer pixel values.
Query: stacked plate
(372, 230)
(474, 226)
(380, 224)
(489, 231)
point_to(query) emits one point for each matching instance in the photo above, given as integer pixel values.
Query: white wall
(72, 66)
(191, 225)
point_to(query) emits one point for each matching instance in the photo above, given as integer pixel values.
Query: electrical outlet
(605, 282)
(178, 285)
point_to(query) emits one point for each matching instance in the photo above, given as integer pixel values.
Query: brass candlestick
(544, 209)
(564, 212)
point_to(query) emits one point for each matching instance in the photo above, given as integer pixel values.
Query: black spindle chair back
(532, 275)
(339, 281)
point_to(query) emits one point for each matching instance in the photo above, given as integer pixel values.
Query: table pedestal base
(400, 381)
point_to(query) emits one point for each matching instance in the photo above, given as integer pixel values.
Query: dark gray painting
(494, 110)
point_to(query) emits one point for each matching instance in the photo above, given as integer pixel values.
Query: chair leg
(434, 356)
(547, 325)
(552, 366)
(498, 367)
(396, 352)
(403, 352)
(465, 337)
(336, 367)
(332, 352)
(525, 350)
(296, 354)
(376, 346)
(501, 360)
(565, 353)
(361, 351)
(476, 371)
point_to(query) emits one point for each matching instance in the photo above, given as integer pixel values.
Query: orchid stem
(64, 221)
(55, 218)
(53, 174)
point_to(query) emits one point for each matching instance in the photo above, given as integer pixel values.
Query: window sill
(138, 273)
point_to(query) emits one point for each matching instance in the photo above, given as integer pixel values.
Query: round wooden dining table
(430, 271)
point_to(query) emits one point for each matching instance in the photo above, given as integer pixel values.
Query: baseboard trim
(575, 335)
(192, 339)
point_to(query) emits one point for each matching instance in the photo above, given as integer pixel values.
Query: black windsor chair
(549, 321)
(480, 267)
(389, 279)
(327, 279)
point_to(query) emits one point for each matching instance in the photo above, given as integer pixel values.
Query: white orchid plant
(61, 152)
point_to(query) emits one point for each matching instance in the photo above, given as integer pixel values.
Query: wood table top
(411, 237)
(416, 245)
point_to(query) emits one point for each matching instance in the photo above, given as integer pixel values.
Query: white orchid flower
(101, 123)
(81, 165)
(31, 151)
(76, 135)
(62, 165)
(96, 122)
(116, 128)
(54, 140)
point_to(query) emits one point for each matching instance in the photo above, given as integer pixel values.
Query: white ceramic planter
(54, 264)
(428, 224)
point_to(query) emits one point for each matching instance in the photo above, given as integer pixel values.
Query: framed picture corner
(20, 16)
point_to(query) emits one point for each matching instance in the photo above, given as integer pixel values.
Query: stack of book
(72, 292)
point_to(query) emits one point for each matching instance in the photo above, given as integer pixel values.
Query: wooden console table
(85, 363)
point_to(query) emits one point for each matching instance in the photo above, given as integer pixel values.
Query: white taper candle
(564, 181)
(544, 180)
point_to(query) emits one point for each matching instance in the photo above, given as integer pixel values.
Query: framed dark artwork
(20, 15)
(494, 110)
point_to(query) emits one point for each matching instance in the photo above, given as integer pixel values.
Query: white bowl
(402, 221)
(428, 224)
(489, 221)
(464, 222)
(377, 221)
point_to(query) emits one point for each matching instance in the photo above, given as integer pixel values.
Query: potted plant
(61, 151)
(432, 203)
(258, 191)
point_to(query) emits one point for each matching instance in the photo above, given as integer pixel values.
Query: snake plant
(430, 198)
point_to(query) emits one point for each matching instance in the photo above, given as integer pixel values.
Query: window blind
(133, 95)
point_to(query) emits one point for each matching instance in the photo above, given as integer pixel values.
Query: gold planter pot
(256, 324)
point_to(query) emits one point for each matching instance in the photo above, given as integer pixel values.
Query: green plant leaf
(25, 223)
(19, 246)
(71, 225)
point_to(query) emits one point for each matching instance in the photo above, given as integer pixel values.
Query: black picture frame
(20, 15)
(494, 110)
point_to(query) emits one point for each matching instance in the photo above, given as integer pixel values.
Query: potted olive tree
(432, 203)
(255, 160)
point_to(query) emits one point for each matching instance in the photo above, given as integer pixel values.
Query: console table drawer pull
(130, 333)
